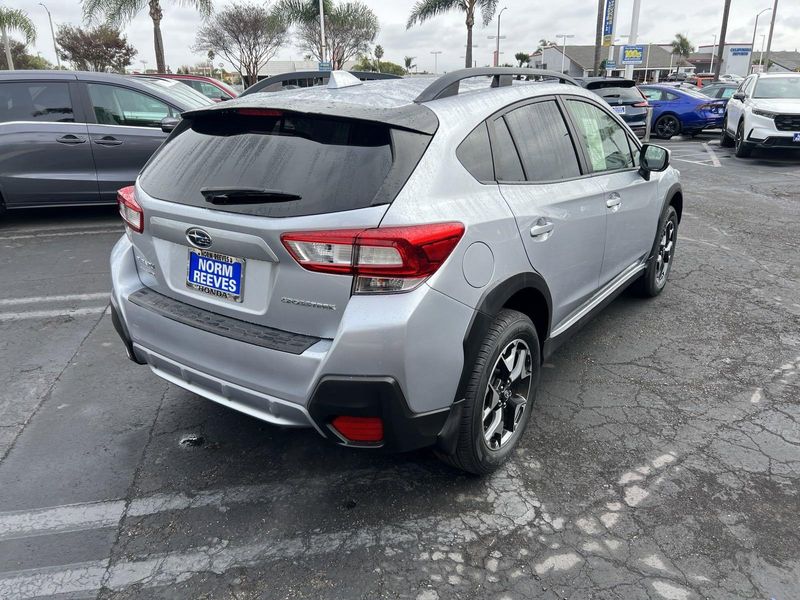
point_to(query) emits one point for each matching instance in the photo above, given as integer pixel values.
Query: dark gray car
(72, 138)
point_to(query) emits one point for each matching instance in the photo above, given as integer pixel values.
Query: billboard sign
(608, 23)
(632, 55)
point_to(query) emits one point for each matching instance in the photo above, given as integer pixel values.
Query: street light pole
(436, 54)
(753, 45)
(771, 31)
(634, 33)
(322, 31)
(497, 45)
(52, 33)
(564, 37)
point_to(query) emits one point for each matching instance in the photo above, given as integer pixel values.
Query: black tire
(725, 139)
(743, 149)
(654, 280)
(473, 452)
(667, 127)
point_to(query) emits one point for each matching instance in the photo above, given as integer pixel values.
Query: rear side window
(35, 101)
(475, 153)
(652, 94)
(290, 164)
(544, 143)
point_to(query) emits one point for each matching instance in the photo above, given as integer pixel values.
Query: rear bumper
(381, 363)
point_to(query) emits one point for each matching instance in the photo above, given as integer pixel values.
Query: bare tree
(247, 35)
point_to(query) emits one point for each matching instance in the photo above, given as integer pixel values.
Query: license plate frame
(620, 110)
(229, 282)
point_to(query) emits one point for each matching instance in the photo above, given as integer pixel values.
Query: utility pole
(753, 45)
(634, 35)
(498, 38)
(52, 33)
(713, 50)
(722, 34)
(598, 37)
(322, 31)
(769, 40)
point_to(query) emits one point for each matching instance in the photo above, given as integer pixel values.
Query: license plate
(620, 110)
(215, 274)
(796, 137)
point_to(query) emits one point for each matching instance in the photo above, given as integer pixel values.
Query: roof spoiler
(448, 85)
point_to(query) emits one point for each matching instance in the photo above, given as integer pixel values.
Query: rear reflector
(386, 259)
(359, 429)
(129, 209)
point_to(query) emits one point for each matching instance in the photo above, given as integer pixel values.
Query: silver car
(389, 262)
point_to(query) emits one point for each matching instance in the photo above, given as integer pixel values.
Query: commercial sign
(740, 51)
(632, 55)
(608, 24)
(611, 64)
(325, 66)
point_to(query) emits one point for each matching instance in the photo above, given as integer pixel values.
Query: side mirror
(653, 159)
(740, 96)
(169, 123)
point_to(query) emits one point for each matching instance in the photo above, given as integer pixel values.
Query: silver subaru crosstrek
(389, 262)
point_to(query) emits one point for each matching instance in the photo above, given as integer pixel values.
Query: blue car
(678, 111)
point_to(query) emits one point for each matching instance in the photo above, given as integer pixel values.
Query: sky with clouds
(523, 24)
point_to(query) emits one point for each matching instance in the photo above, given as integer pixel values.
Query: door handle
(70, 139)
(542, 228)
(614, 201)
(108, 140)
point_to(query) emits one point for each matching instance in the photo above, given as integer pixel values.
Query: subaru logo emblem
(198, 238)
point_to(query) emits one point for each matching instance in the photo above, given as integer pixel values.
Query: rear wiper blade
(246, 195)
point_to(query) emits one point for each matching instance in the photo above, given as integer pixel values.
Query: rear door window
(35, 101)
(543, 141)
(115, 105)
(289, 164)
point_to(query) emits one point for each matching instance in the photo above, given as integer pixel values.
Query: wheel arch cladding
(525, 292)
(675, 198)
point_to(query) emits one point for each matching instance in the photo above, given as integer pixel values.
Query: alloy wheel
(667, 127)
(665, 250)
(506, 397)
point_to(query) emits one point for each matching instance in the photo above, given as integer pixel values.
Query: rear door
(630, 202)
(229, 182)
(45, 159)
(559, 211)
(124, 130)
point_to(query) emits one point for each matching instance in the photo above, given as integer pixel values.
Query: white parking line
(64, 298)
(49, 314)
(10, 238)
(712, 154)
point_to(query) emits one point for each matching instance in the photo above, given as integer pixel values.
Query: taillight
(129, 209)
(710, 107)
(386, 259)
(644, 104)
(359, 429)
(259, 112)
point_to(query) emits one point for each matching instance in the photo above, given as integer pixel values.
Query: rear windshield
(303, 164)
(619, 93)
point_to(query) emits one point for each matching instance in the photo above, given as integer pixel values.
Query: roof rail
(447, 85)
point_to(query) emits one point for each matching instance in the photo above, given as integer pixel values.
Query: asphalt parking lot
(662, 462)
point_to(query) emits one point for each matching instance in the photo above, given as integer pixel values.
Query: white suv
(764, 112)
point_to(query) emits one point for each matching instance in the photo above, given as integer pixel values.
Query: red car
(208, 86)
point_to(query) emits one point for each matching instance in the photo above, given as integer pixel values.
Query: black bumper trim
(122, 331)
(242, 331)
(403, 430)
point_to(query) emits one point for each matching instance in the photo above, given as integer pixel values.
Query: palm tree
(408, 61)
(117, 12)
(378, 56)
(681, 46)
(12, 19)
(427, 9)
(522, 58)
